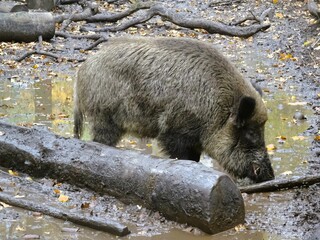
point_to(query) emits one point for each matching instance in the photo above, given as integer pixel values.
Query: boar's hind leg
(180, 147)
(106, 131)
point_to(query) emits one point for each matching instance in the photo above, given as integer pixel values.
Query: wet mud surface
(284, 60)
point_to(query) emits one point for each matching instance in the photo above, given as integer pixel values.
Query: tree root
(183, 21)
(89, 9)
(118, 16)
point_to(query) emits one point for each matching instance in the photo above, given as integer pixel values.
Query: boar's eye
(252, 136)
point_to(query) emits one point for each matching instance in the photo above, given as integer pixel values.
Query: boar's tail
(78, 121)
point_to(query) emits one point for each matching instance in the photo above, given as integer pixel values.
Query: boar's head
(239, 145)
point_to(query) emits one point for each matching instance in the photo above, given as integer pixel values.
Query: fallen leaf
(63, 198)
(307, 43)
(317, 138)
(279, 15)
(286, 173)
(275, 1)
(4, 205)
(149, 145)
(57, 191)
(70, 230)
(13, 173)
(281, 137)
(295, 138)
(37, 214)
(19, 196)
(240, 228)
(31, 236)
(85, 205)
(286, 56)
(271, 147)
(29, 179)
(297, 103)
(18, 228)
(61, 115)
(132, 142)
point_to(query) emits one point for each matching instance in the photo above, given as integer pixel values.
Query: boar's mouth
(258, 170)
(261, 172)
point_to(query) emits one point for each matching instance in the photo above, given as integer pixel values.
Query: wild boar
(182, 92)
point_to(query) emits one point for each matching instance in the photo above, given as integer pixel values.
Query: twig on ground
(100, 224)
(280, 184)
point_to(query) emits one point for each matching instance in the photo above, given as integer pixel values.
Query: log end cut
(189, 192)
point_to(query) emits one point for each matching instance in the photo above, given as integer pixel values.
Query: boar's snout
(262, 170)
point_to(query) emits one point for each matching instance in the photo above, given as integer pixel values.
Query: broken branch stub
(184, 191)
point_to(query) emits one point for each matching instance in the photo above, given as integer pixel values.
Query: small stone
(299, 116)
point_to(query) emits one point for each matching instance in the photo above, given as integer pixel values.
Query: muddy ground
(284, 59)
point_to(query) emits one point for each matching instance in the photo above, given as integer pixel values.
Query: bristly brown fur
(182, 92)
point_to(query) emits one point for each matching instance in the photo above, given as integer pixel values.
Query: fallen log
(26, 26)
(184, 191)
(281, 184)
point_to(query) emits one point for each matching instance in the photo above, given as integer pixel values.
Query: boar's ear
(259, 90)
(245, 111)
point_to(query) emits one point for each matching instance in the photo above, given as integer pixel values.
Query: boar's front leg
(105, 130)
(180, 146)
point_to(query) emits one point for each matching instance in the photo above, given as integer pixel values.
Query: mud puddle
(49, 103)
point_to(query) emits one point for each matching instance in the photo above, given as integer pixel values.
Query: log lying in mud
(26, 26)
(181, 190)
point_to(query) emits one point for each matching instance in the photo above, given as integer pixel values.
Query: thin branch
(96, 43)
(100, 224)
(117, 16)
(37, 52)
(280, 184)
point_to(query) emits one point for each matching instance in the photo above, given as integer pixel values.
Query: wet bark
(26, 26)
(281, 184)
(184, 191)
